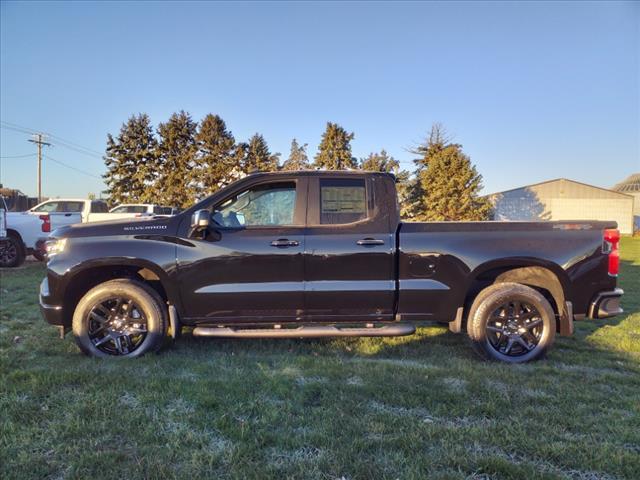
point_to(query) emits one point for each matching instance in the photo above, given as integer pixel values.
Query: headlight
(55, 246)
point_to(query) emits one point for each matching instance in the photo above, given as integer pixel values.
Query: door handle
(284, 243)
(365, 242)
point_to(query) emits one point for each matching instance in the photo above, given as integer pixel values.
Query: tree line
(182, 160)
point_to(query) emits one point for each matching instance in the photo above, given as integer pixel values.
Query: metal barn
(564, 199)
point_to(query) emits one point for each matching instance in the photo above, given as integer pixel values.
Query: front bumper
(51, 313)
(606, 304)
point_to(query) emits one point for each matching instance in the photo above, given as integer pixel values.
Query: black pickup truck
(314, 254)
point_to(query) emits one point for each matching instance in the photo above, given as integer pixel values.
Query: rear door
(350, 247)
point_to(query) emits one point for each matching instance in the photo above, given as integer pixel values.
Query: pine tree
(334, 151)
(177, 152)
(131, 160)
(258, 157)
(216, 159)
(298, 159)
(447, 183)
(380, 162)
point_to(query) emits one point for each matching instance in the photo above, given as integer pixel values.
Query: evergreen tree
(298, 159)
(380, 162)
(334, 151)
(447, 184)
(177, 152)
(257, 156)
(216, 157)
(131, 162)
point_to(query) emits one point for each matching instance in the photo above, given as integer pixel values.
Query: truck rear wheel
(120, 318)
(11, 252)
(511, 323)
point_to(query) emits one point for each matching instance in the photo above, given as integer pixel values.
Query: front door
(350, 246)
(249, 267)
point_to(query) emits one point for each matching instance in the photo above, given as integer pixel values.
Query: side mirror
(200, 219)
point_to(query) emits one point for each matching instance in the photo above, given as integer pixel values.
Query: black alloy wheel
(120, 318)
(510, 322)
(515, 328)
(117, 326)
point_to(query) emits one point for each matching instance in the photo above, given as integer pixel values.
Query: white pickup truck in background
(132, 210)
(27, 231)
(67, 211)
(21, 234)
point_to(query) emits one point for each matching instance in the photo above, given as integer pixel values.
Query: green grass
(410, 407)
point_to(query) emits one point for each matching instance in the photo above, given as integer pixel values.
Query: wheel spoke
(533, 323)
(103, 340)
(510, 343)
(526, 345)
(119, 345)
(102, 309)
(97, 317)
(494, 329)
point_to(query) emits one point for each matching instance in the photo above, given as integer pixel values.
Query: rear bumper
(606, 304)
(51, 313)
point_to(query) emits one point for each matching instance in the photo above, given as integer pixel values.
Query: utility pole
(38, 139)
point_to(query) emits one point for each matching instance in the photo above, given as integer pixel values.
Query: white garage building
(631, 186)
(564, 199)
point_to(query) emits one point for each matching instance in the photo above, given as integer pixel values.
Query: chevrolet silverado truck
(315, 254)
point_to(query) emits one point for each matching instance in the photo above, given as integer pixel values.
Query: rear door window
(342, 200)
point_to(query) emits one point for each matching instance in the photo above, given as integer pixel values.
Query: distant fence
(16, 200)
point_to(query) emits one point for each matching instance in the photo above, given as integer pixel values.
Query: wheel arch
(547, 277)
(14, 233)
(92, 273)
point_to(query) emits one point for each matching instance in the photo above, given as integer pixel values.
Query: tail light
(610, 245)
(46, 223)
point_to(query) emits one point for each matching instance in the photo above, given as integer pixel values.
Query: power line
(48, 157)
(58, 140)
(20, 156)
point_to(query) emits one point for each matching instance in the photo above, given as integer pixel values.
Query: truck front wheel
(11, 252)
(120, 318)
(511, 323)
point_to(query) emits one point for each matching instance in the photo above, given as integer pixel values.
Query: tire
(512, 323)
(11, 252)
(122, 309)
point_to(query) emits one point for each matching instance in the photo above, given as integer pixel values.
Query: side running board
(305, 332)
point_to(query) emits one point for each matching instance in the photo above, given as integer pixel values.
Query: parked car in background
(67, 211)
(21, 234)
(132, 210)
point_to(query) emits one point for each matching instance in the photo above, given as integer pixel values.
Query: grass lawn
(409, 407)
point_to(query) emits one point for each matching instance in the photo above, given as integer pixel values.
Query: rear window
(99, 207)
(130, 209)
(342, 200)
(74, 207)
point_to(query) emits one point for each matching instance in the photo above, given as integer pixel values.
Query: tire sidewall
(19, 257)
(493, 300)
(130, 290)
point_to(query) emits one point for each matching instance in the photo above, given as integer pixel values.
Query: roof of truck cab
(316, 173)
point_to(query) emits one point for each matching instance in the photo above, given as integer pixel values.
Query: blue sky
(532, 91)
